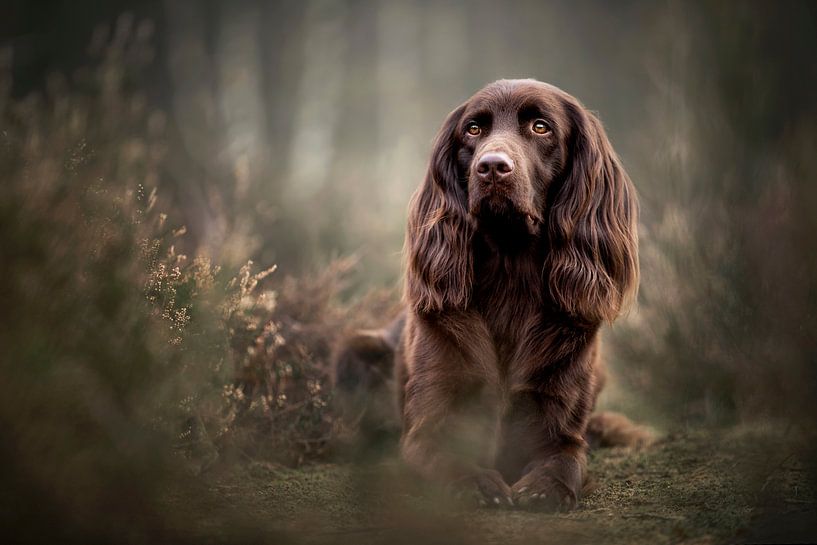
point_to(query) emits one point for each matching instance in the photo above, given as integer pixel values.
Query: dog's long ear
(592, 264)
(438, 239)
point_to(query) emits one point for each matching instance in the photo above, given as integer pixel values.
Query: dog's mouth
(497, 212)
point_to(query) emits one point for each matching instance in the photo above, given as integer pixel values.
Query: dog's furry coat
(521, 243)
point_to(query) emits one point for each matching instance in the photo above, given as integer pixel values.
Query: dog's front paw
(539, 491)
(484, 487)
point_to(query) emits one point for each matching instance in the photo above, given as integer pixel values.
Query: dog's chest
(517, 326)
(509, 299)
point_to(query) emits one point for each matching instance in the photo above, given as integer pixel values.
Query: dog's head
(522, 161)
(510, 142)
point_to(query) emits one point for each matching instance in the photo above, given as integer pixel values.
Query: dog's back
(364, 380)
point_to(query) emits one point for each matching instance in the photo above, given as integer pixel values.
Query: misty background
(294, 133)
(297, 132)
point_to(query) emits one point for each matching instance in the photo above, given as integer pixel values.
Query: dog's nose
(494, 164)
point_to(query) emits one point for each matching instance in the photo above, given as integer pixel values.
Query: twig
(651, 515)
(775, 470)
(355, 530)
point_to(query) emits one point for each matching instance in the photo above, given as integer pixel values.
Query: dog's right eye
(473, 128)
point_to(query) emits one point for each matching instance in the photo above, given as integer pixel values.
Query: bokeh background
(151, 149)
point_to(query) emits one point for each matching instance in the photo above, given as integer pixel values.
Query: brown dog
(521, 243)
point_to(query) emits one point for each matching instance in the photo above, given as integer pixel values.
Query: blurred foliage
(126, 365)
(282, 341)
(724, 327)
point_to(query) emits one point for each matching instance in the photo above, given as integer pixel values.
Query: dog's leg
(443, 439)
(436, 442)
(543, 453)
(544, 449)
(610, 429)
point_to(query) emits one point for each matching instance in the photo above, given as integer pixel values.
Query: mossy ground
(713, 486)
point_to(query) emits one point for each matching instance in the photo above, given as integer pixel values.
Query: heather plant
(282, 339)
(128, 366)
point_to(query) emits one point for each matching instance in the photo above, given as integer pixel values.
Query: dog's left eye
(540, 126)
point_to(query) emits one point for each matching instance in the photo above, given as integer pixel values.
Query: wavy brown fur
(511, 269)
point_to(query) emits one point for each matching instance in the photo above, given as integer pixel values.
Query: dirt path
(696, 487)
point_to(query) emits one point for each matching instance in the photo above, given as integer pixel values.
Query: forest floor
(713, 486)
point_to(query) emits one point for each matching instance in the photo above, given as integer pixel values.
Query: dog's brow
(481, 115)
(532, 107)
